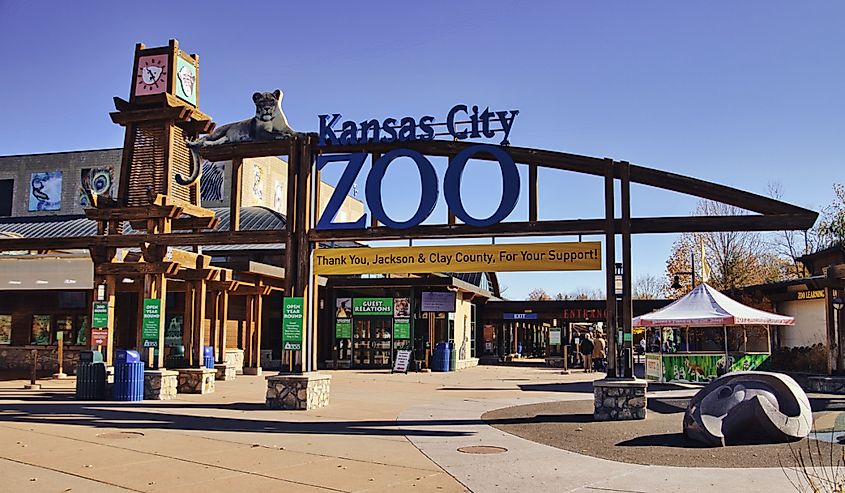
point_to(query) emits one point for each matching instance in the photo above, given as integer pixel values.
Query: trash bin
(176, 358)
(208, 356)
(453, 357)
(128, 376)
(440, 357)
(90, 376)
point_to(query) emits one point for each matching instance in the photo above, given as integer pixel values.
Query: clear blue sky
(740, 93)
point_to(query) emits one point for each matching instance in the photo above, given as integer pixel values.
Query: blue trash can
(208, 356)
(440, 357)
(128, 376)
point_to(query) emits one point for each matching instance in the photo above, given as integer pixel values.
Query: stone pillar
(160, 384)
(305, 391)
(224, 372)
(196, 380)
(619, 399)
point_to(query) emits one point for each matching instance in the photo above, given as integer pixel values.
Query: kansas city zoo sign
(461, 123)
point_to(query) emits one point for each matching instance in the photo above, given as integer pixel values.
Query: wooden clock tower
(160, 115)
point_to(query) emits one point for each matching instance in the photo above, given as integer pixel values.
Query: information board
(401, 328)
(372, 306)
(554, 336)
(151, 322)
(438, 301)
(100, 318)
(292, 313)
(403, 359)
(99, 337)
(343, 328)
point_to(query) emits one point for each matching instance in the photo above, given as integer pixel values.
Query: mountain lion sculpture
(268, 123)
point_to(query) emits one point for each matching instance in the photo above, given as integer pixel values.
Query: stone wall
(235, 359)
(306, 391)
(20, 359)
(160, 384)
(617, 400)
(196, 380)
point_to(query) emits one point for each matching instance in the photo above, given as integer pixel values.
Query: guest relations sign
(463, 258)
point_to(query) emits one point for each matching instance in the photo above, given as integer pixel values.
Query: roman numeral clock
(162, 112)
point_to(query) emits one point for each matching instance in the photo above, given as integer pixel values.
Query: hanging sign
(151, 322)
(372, 306)
(99, 337)
(292, 318)
(343, 328)
(554, 336)
(520, 316)
(100, 316)
(461, 258)
(401, 328)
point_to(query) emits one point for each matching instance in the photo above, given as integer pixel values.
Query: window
(6, 189)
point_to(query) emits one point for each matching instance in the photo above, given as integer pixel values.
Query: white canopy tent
(704, 306)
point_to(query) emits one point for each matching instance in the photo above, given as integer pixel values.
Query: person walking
(599, 351)
(587, 351)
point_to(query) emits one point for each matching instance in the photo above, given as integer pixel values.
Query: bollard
(32, 374)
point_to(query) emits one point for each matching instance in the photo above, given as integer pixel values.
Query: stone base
(253, 371)
(619, 399)
(59, 376)
(32, 386)
(306, 391)
(235, 359)
(826, 385)
(196, 380)
(160, 385)
(224, 372)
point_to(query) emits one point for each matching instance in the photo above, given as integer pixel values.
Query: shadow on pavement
(675, 440)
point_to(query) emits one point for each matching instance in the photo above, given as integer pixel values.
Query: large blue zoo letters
(429, 185)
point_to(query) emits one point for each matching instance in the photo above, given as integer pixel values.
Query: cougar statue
(268, 123)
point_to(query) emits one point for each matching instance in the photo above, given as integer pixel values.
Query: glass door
(372, 342)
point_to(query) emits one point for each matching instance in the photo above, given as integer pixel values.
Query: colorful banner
(151, 322)
(292, 321)
(372, 306)
(343, 328)
(706, 367)
(462, 258)
(401, 328)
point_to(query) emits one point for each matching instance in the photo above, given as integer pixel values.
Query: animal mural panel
(211, 182)
(45, 192)
(100, 181)
(707, 367)
(257, 183)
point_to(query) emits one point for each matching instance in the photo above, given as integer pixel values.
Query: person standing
(599, 351)
(587, 351)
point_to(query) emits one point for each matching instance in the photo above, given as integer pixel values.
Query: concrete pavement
(381, 432)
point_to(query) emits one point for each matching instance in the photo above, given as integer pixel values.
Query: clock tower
(162, 112)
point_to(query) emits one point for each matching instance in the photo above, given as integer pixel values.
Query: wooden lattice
(146, 172)
(180, 163)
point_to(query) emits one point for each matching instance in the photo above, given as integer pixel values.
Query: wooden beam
(186, 259)
(136, 269)
(186, 223)
(187, 207)
(235, 194)
(197, 275)
(223, 313)
(128, 241)
(134, 213)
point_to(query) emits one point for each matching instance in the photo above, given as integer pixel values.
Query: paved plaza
(381, 432)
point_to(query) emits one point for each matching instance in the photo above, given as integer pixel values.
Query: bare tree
(539, 294)
(649, 287)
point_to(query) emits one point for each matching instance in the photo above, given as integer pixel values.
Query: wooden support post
(627, 303)
(256, 335)
(33, 373)
(111, 288)
(187, 324)
(609, 265)
(199, 319)
(60, 350)
(213, 319)
(247, 337)
(532, 193)
(223, 313)
(235, 195)
(161, 294)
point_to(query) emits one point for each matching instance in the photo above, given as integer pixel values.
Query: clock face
(151, 77)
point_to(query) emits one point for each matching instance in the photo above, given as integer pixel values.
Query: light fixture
(619, 288)
(837, 303)
(101, 292)
(15, 282)
(41, 281)
(127, 280)
(70, 281)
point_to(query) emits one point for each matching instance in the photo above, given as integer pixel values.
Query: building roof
(252, 219)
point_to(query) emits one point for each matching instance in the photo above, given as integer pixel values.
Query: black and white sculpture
(749, 407)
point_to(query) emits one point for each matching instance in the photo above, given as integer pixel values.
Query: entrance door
(372, 342)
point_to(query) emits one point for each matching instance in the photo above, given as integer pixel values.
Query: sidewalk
(381, 432)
